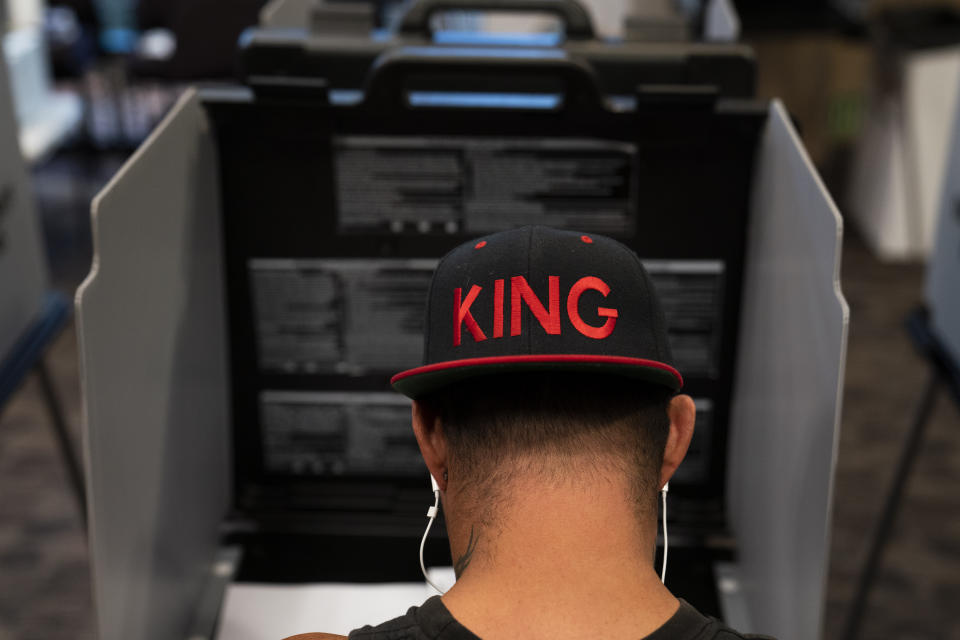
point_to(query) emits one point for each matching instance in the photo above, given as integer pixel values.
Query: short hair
(548, 423)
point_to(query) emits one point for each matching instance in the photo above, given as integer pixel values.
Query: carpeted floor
(44, 572)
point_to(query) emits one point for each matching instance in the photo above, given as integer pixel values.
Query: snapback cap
(539, 299)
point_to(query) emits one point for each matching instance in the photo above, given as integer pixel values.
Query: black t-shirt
(432, 621)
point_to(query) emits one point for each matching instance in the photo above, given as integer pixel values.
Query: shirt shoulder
(430, 621)
(727, 633)
(689, 624)
(404, 627)
(721, 631)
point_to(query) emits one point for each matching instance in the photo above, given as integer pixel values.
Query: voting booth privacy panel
(943, 274)
(23, 270)
(900, 166)
(261, 265)
(789, 381)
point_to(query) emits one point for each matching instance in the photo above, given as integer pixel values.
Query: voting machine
(261, 268)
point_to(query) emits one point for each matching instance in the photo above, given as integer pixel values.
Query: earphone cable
(663, 570)
(431, 514)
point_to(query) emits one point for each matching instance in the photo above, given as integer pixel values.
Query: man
(546, 410)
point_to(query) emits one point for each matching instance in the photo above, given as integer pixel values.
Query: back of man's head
(556, 429)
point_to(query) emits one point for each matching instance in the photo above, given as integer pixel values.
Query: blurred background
(871, 87)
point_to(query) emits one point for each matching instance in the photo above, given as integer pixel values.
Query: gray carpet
(44, 573)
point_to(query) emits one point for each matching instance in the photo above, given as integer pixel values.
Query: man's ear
(428, 429)
(682, 413)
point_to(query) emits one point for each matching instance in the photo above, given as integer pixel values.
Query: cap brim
(420, 381)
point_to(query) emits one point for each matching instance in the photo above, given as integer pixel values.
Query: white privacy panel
(943, 274)
(152, 337)
(786, 407)
(23, 268)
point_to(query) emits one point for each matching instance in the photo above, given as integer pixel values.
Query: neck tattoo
(464, 561)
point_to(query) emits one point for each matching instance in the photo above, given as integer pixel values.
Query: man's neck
(558, 562)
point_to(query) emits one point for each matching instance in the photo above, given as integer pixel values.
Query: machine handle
(577, 23)
(483, 70)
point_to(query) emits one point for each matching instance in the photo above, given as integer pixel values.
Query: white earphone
(431, 515)
(663, 497)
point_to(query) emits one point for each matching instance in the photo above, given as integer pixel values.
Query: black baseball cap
(539, 299)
